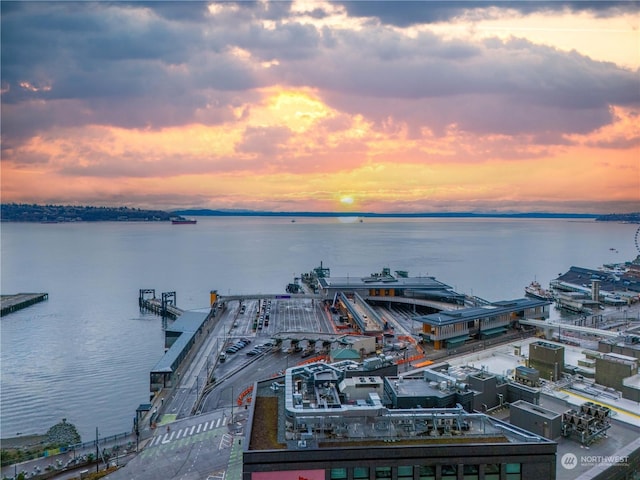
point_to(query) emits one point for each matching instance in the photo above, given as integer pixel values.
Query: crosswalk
(188, 431)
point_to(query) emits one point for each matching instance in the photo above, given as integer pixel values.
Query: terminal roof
(493, 309)
(185, 328)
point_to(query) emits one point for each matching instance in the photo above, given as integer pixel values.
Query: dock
(13, 303)
(165, 307)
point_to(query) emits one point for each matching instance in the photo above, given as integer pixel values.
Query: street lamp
(97, 454)
(231, 403)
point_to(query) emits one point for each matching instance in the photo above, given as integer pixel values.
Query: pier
(165, 307)
(13, 303)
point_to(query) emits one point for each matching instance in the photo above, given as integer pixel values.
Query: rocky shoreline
(23, 441)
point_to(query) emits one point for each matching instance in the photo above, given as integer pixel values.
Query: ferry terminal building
(451, 323)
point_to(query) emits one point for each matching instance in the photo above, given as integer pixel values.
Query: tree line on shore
(20, 212)
(16, 212)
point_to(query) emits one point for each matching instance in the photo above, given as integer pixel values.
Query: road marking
(187, 432)
(226, 441)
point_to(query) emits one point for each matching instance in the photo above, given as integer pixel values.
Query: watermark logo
(569, 461)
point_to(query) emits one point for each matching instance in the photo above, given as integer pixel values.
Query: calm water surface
(86, 353)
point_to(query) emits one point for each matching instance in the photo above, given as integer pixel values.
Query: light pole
(97, 457)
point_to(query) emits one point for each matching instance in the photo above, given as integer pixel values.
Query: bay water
(85, 353)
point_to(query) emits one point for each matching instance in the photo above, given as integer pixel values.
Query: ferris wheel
(637, 240)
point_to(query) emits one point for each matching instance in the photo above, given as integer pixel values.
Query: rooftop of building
(609, 281)
(311, 411)
(384, 281)
(529, 407)
(184, 328)
(473, 313)
(548, 345)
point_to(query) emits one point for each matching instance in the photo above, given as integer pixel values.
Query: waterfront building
(448, 329)
(612, 286)
(180, 338)
(385, 286)
(314, 428)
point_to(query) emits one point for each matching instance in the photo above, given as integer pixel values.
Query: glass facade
(514, 471)
(426, 472)
(405, 472)
(449, 472)
(470, 472)
(338, 474)
(360, 472)
(492, 471)
(383, 472)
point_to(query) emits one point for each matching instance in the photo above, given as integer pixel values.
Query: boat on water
(535, 290)
(183, 221)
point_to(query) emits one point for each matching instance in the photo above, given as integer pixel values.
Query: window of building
(383, 472)
(427, 472)
(514, 471)
(449, 471)
(471, 472)
(360, 472)
(492, 471)
(338, 474)
(405, 471)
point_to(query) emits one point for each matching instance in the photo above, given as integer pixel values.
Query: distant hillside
(253, 213)
(15, 212)
(620, 217)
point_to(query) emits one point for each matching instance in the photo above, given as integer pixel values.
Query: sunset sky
(323, 106)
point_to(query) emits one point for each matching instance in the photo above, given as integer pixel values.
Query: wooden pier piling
(13, 303)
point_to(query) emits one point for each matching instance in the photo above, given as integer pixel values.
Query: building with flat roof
(313, 428)
(548, 359)
(385, 284)
(536, 419)
(613, 288)
(619, 372)
(448, 329)
(180, 337)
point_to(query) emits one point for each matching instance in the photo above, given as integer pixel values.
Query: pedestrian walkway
(188, 431)
(75, 455)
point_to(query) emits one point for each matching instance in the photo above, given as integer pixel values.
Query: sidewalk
(74, 456)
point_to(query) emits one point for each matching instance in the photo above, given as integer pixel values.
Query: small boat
(535, 290)
(183, 221)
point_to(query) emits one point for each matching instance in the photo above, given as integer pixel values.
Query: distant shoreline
(222, 213)
(24, 213)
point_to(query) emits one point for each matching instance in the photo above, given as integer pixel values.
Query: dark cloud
(189, 11)
(510, 87)
(158, 64)
(404, 13)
